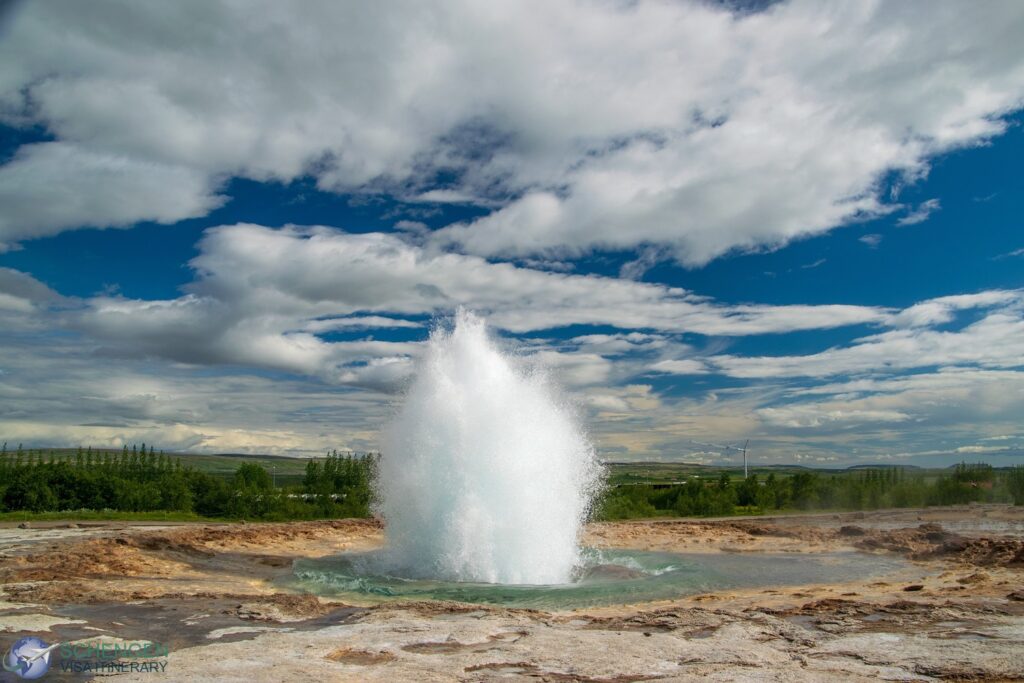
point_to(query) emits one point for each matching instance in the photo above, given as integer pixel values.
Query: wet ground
(219, 598)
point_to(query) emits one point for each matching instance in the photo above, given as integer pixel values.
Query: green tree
(1015, 484)
(747, 490)
(802, 485)
(312, 478)
(175, 494)
(252, 476)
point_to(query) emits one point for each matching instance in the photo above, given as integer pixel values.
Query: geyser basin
(606, 577)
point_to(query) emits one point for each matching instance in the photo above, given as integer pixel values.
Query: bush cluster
(142, 480)
(868, 489)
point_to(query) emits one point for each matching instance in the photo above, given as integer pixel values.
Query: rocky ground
(213, 595)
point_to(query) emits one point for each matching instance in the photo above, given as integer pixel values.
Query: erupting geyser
(486, 474)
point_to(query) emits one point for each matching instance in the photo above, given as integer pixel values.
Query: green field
(106, 515)
(669, 472)
(285, 471)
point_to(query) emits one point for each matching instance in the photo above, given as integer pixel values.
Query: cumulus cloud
(21, 292)
(946, 406)
(25, 303)
(206, 331)
(162, 372)
(746, 169)
(59, 393)
(994, 341)
(675, 130)
(271, 298)
(266, 298)
(50, 186)
(587, 125)
(944, 309)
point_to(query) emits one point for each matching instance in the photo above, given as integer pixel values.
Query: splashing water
(486, 474)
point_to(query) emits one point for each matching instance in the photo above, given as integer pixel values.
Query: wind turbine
(729, 448)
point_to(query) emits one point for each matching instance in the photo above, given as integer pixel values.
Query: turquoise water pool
(607, 577)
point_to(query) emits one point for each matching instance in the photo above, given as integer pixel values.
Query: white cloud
(415, 229)
(951, 404)
(206, 331)
(944, 380)
(994, 341)
(24, 291)
(543, 264)
(24, 302)
(760, 178)
(69, 389)
(1010, 254)
(623, 343)
(648, 258)
(817, 416)
(983, 449)
(364, 322)
(50, 186)
(687, 366)
(81, 400)
(591, 125)
(921, 213)
(872, 240)
(445, 197)
(943, 309)
(575, 369)
(262, 297)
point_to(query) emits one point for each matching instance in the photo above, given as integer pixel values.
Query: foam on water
(486, 475)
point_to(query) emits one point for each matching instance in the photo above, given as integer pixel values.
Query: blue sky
(709, 224)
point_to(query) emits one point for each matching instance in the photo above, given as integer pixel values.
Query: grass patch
(106, 515)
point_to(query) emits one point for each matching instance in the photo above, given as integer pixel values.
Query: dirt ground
(212, 594)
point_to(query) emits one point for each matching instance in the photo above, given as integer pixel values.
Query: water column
(487, 474)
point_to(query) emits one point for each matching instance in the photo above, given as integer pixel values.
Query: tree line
(144, 480)
(141, 479)
(868, 489)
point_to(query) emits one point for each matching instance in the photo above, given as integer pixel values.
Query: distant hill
(245, 456)
(883, 467)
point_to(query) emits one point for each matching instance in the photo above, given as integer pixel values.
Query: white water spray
(486, 475)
